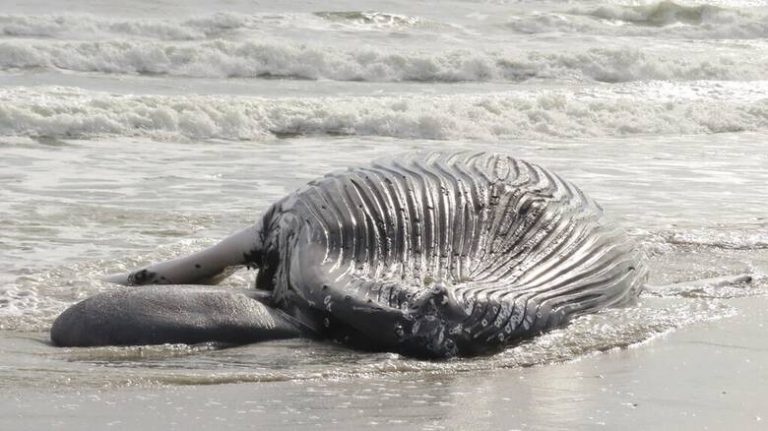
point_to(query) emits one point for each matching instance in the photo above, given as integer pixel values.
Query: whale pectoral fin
(209, 266)
(171, 314)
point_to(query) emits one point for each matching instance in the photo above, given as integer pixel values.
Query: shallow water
(97, 209)
(656, 383)
(134, 134)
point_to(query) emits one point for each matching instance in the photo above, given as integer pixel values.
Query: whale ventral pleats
(447, 254)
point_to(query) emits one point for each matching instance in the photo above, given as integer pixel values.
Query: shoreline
(704, 376)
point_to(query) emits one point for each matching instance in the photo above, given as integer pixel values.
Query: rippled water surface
(134, 134)
(99, 206)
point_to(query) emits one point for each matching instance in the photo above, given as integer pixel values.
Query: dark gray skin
(430, 256)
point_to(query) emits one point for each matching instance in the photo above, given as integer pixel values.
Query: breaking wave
(662, 14)
(664, 18)
(219, 25)
(62, 112)
(375, 19)
(228, 59)
(93, 27)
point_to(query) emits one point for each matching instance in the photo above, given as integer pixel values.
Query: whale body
(436, 255)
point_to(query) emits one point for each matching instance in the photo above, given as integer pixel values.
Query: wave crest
(376, 19)
(70, 113)
(664, 18)
(225, 59)
(86, 26)
(222, 24)
(656, 14)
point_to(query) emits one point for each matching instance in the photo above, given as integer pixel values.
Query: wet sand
(706, 376)
(134, 132)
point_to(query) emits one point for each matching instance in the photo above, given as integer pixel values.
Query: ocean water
(132, 132)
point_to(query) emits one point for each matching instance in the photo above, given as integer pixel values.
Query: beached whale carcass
(436, 255)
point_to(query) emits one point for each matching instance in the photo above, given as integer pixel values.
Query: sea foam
(218, 25)
(664, 18)
(229, 59)
(629, 110)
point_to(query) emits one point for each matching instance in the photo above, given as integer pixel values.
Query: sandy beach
(704, 377)
(137, 132)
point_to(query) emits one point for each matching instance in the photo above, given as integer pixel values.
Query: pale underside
(445, 254)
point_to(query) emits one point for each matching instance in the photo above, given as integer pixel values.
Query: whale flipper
(171, 314)
(208, 266)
